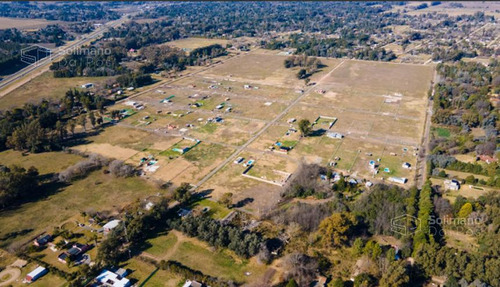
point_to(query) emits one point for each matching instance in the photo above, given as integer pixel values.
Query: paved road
(44, 64)
(260, 132)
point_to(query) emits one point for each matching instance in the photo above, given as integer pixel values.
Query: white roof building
(110, 279)
(111, 225)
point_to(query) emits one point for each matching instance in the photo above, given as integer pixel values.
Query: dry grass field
(189, 44)
(25, 24)
(47, 87)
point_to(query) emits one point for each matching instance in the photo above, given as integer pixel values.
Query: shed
(37, 273)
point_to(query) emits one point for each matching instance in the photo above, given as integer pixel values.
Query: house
(488, 159)
(406, 165)
(74, 252)
(111, 279)
(452, 184)
(35, 274)
(87, 86)
(190, 283)
(108, 227)
(369, 184)
(183, 212)
(334, 135)
(42, 240)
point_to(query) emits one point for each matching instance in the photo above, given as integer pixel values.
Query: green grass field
(97, 191)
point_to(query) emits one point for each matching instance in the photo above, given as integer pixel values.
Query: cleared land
(189, 44)
(19, 23)
(46, 87)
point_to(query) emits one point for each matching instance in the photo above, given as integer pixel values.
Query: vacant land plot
(189, 44)
(468, 8)
(23, 24)
(47, 87)
(199, 256)
(98, 191)
(47, 162)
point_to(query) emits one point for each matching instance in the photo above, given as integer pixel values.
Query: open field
(379, 109)
(189, 44)
(46, 87)
(198, 255)
(25, 24)
(48, 162)
(98, 191)
(469, 8)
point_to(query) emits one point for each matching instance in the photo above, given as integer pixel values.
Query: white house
(111, 279)
(452, 184)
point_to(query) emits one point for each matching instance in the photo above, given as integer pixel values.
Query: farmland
(378, 108)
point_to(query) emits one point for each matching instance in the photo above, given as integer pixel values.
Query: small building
(108, 227)
(406, 165)
(334, 135)
(183, 212)
(193, 283)
(369, 184)
(452, 184)
(36, 274)
(87, 86)
(42, 240)
(111, 279)
(400, 180)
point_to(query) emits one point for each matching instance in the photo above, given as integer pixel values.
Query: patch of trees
(63, 11)
(461, 102)
(383, 204)
(352, 46)
(307, 216)
(306, 182)
(17, 183)
(45, 126)
(91, 61)
(309, 64)
(135, 80)
(82, 168)
(244, 243)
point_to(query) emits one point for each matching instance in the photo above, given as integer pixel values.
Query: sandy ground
(12, 275)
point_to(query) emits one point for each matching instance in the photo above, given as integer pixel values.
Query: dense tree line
(63, 11)
(91, 61)
(17, 183)
(244, 243)
(45, 126)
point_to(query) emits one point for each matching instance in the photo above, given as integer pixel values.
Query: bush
(119, 169)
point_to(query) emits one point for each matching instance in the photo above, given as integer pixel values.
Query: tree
(465, 210)
(72, 126)
(336, 229)
(92, 119)
(183, 193)
(301, 74)
(82, 120)
(396, 275)
(305, 127)
(227, 199)
(292, 283)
